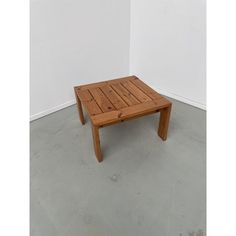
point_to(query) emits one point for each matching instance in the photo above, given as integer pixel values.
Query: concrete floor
(144, 186)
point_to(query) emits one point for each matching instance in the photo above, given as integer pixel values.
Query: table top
(121, 99)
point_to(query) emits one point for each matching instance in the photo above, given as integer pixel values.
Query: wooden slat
(106, 118)
(146, 89)
(130, 112)
(125, 94)
(103, 83)
(94, 85)
(101, 100)
(89, 102)
(79, 106)
(115, 99)
(115, 81)
(145, 107)
(141, 96)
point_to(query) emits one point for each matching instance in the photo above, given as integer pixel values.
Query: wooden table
(113, 101)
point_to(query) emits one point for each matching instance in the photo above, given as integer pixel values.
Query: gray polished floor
(144, 186)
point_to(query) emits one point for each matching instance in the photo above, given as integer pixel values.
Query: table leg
(164, 122)
(96, 143)
(79, 106)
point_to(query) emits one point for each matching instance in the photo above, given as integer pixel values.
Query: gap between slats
(101, 99)
(141, 89)
(146, 89)
(95, 100)
(130, 92)
(118, 97)
(126, 91)
(136, 92)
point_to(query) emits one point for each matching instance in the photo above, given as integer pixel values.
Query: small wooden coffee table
(113, 101)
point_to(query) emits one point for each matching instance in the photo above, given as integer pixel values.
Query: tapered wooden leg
(79, 106)
(164, 122)
(96, 143)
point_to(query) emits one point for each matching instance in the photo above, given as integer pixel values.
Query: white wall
(168, 47)
(75, 42)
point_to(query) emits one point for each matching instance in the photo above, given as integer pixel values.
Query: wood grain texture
(125, 94)
(113, 97)
(96, 143)
(137, 93)
(89, 103)
(107, 82)
(164, 122)
(128, 112)
(113, 101)
(101, 100)
(79, 106)
(146, 89)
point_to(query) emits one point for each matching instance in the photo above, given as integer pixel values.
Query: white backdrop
(168, 47)
(75, 42)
